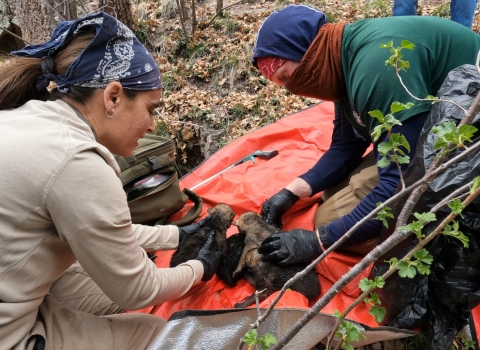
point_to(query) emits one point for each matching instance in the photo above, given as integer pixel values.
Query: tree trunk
(36, 18)
(121, 9)
(67, 9)
(219, 7)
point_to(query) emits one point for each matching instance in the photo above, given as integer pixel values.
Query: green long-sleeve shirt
(373, 85)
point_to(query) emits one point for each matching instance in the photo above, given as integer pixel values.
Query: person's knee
(135, 330)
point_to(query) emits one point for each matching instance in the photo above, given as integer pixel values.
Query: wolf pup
(222, 217)
(265, 276)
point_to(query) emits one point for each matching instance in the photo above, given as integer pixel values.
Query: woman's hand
(274, 208)
(291, 247)
(209, 257)
(188, 231)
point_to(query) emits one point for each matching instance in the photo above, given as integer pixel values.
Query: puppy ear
(235, 223)
(209, 210)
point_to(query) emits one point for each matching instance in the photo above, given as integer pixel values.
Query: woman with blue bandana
(70, 258)
(344, 63)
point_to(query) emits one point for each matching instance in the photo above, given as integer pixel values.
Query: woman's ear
(112, 95)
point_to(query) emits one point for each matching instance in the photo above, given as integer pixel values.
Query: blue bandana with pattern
(115, 54)
(288, 33)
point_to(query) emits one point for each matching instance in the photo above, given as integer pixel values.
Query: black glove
(209, 257)
(188, 231)
(274, 208)
(291, 247)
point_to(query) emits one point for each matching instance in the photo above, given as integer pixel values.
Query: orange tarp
(301, 139)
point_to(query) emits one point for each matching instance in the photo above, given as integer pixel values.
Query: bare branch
(457, 193)
(223, 8)
(16, 36)
(181, 10)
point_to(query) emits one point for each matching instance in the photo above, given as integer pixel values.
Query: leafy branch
(396, 61)
(364, 263)
(406, 267)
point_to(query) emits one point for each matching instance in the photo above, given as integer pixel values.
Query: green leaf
(422, 269)
(336, 314)
(403, 65)
(391, 121)
(352, 331)
(475, 184)
(440, 143)
(383, 214)
(383, 163)
(364, 284)
(377, 114)
(467, 131)
(415, 227)
(375, 298)
(250, 337)
(377, 132)
(384, 148)
(425, 217)
(423, 255)
(452, 230)
(407, 45)
(444, 128)
(400, 140)
(406, 270)
(349, 347)
(392, 262)
(398, 107)
(390, 61)
(379, 281)
(403, 159)
(267, 340)
(432, 98)
(456, 206)
(378, 312)
(468, 343)
(387, 45)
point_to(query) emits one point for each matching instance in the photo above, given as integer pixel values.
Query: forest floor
(212, 93)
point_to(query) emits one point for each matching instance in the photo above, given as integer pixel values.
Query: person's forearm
(300, 188)
(163, 237)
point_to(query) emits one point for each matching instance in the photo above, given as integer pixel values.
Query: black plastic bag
(439, 303)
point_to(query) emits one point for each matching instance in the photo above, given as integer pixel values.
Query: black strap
(191, 215)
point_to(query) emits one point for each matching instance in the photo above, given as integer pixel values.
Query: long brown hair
(20, 74)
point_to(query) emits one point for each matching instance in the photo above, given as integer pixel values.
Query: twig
(257, 302)
(16, 36)
(424, 100)
(194, 17)
(181, 10)
(457, 193)
(186, 123)
(223, 8)
(82, 6)
(58, 13)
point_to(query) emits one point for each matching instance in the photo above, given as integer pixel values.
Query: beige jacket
(62, 201)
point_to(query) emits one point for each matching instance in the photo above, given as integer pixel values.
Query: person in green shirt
(345, 63)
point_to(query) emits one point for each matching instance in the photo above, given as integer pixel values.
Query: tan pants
(78, 315)
(345, 196)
